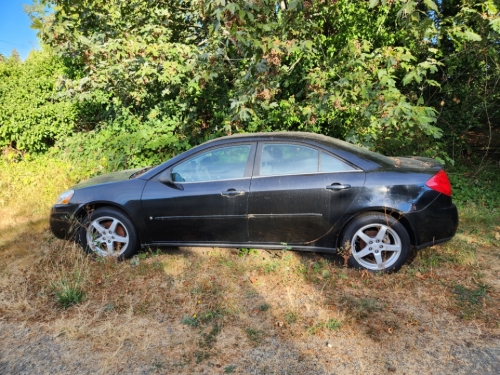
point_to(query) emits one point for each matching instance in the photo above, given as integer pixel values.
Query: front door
(207, 201)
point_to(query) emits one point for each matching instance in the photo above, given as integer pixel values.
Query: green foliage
(473, 187)
(32, 119)
(157, 77)
(243, 252)
(191, 321)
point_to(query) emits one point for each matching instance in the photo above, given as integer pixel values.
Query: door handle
(337, 186)
(232, 193)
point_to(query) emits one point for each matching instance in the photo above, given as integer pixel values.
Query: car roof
(299, 136)
(358, 155)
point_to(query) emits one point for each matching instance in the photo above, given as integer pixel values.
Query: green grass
(331, 324)
(470, 301)
(67, 294)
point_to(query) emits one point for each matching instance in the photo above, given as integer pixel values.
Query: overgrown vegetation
(402, 77)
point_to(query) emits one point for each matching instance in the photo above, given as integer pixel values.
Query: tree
(15, 55)
(368, 72)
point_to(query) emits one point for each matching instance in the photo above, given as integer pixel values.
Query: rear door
(298, 192)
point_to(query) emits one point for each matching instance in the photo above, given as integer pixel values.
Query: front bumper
(63, 222)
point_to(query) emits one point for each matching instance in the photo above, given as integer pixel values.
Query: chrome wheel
(107, 236)
(376, 247)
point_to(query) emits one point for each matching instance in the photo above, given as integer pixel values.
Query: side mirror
(167, 179)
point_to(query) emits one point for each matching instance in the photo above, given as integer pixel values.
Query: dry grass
(193, 310)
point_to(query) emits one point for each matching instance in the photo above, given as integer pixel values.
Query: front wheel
(376, 242)
(109, 232)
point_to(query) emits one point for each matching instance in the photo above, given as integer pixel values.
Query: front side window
(223, 163)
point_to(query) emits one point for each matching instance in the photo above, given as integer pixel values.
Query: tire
(109, 232)
(376, 242)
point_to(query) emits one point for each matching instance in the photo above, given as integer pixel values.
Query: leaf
(472, 36)
(431, 5)
(491, 7)
(495, 24)
(409, 77)
(373, 3)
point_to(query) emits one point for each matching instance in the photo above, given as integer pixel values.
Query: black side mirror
(167, 179)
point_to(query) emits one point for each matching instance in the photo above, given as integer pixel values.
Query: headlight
(65, 197)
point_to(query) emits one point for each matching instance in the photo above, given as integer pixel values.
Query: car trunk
(417, 162)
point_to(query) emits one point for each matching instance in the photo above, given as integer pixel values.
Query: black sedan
(270, 190)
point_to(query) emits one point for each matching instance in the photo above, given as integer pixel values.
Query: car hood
(110, 177)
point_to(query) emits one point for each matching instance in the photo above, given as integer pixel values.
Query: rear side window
(286, 159)
(329, 163)
(282, 159)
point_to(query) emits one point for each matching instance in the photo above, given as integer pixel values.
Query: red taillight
(440, 183)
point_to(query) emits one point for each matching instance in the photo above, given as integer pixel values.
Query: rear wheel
(376, 242)
(109, 232)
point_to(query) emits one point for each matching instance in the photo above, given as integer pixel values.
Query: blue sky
(15, 29)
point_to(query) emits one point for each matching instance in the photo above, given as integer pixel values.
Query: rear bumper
(435, 224)
(62, 220)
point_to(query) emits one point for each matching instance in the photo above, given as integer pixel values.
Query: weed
(108, 307)
(216, 313)
(68, 294)
(360, 308)
(343, 275)
(229, 369)
(480, 190)
(470, 301)
(286, 247)
(291, 317)
(254, 335)
(246, 252)
(157, 364)
(264, 307)
(208, 339)
(368, 305)
(201, 355)
(271, 266)
(191, 321)
(331, 324)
